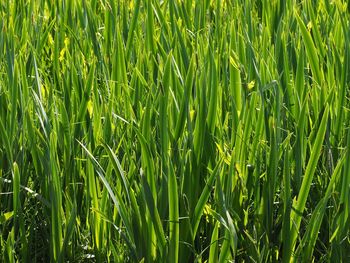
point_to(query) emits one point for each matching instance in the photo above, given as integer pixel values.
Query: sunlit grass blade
(198, 211)
(299, 204)
(184, 108)
(312, 55)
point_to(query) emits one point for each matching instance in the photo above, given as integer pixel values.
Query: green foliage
(174, 131)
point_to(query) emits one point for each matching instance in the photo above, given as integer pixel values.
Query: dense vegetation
(174, 131)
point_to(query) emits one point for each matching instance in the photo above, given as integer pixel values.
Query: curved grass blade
(299, 205)
(198, 211)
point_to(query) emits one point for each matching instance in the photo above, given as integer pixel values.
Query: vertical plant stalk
(299, 204)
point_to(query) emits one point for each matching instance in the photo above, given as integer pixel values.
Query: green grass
(174, 131)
